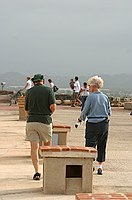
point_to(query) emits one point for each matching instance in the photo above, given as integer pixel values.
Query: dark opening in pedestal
(73, 171)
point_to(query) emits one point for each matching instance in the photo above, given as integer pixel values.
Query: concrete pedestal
(22, 113)
(67, 170)
(59, 135)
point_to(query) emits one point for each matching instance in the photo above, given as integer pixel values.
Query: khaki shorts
(38, 132)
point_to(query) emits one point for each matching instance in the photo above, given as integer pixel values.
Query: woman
(96, 110)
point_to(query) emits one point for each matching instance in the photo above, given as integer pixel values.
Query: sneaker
(36, 176)
(99, 172)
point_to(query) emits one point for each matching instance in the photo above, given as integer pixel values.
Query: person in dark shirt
(39, 105)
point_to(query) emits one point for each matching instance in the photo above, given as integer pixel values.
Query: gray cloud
(66, 36)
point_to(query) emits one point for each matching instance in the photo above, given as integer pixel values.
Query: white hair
(96, 81)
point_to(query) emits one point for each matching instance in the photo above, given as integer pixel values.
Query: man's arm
(25, 86)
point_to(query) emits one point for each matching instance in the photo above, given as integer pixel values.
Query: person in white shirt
(83, 93)
(28, 84)
(76, 92)
(51, 84)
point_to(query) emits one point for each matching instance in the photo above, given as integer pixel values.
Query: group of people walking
(40, 105)
(79, 93)
(29, 84)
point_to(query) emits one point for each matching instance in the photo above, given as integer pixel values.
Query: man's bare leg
(34, 155)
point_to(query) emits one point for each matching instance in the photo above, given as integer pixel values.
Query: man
(76, 90)
(96, 110)
(51, 84)
(39, 105)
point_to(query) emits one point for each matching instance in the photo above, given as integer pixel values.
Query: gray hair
(96, 81)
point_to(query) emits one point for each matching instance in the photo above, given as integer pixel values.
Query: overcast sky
(66, 37)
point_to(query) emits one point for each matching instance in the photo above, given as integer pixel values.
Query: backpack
(55, 88)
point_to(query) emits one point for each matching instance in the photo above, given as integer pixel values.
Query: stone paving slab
(16, 170)
(104, 196)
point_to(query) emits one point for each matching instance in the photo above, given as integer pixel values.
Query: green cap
(37, 77)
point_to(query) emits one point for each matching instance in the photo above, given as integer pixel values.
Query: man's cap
(37, 77)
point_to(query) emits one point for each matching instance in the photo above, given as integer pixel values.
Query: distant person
(28, 84)
(76, 90)
(71, 84)
(39, 105)
(83, 93)
(96, 111)
(51, 84)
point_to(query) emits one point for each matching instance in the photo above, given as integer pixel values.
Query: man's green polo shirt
(37, 103)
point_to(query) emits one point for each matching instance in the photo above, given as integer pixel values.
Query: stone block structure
(67, 169)
(60, 131)
(128, 105)
(22, 113)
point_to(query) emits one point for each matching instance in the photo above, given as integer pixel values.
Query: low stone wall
(128, 105)
(119, 101)
(4, 98)
(4, 92)
(65, 99)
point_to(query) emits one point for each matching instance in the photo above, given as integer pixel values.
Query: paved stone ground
(16, 170)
